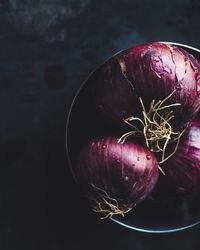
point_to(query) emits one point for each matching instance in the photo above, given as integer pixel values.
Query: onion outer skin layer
(150, 71)
(182, 170)
(126, 172)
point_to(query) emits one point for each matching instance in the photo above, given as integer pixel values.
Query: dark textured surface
(47, 49)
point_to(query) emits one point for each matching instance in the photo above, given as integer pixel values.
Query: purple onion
(115, 177)
(182, 170)
(150, 71)
(157, 69)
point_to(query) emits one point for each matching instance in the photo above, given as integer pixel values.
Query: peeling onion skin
(182, 170)
(127, 172)
(157, 69)
(150, 71)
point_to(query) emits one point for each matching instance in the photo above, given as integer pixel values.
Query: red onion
(150, 71)
(182, 170)
(154, 89)
(115, 177)
(157, 69)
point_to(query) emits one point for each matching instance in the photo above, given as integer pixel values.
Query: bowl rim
(140, 229)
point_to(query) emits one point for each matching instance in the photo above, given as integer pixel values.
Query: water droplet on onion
(104, 146)
(117, 161)
(148, 157)
(127, 178)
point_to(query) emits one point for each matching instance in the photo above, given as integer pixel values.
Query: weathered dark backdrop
(47, 48)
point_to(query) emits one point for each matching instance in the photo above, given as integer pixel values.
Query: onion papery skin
(182, 170)
(126, 172)
(150, 71)
(113, 94)
(157, 69)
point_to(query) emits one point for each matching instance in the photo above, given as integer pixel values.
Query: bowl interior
(85, 123)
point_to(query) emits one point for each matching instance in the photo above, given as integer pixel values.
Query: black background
(47, 49)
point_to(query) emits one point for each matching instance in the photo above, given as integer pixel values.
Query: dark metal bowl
(84, 123)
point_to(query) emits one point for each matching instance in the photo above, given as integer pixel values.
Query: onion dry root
(106, 205)
(156, 128)
(115, 177)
